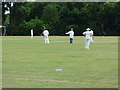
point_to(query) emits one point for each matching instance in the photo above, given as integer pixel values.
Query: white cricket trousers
(87, 43)
(46, 38)
(91, 40)
(31, 35)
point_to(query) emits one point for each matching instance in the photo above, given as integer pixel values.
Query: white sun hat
(88, 29)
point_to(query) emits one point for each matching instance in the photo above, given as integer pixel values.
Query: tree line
(58, 17)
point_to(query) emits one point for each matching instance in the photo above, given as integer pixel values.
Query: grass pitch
(29, 63)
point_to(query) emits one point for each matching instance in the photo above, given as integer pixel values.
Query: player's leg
(45, 39)
(91, 40)
(48, 40)
(71, 40)
(87, 43)
(31, 35)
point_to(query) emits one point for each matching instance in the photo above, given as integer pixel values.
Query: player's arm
(67, 33)
(83, 33)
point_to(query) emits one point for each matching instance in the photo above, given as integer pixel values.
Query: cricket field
(29, 63)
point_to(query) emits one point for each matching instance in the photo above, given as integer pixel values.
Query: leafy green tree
(35, 24)
(102, 17)
(51, 16)
(109, 18)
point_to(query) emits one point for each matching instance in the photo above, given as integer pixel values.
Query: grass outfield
(29, 63)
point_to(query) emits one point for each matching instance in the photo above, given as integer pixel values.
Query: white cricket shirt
(88, 34)
(45, 32)
(71, 34)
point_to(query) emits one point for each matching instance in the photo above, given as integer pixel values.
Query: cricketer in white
(88, 35)
(31, 33)
(46, 38)
(71, 34)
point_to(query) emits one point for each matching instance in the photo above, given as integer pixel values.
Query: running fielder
(88, 35)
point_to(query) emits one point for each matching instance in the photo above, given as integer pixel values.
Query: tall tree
(50, 16)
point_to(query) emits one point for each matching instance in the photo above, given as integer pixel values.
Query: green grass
(29, 63)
